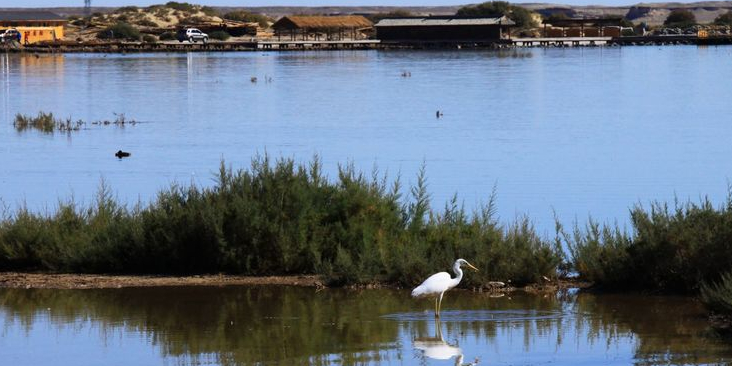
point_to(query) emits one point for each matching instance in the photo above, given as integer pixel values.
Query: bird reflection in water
(437, 348)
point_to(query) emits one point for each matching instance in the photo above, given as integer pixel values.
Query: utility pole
(87, 8)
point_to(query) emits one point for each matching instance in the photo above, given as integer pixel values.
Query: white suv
(10, 35)
(192, 35)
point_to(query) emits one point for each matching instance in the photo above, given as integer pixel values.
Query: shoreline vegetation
(280, 218)
(48, 123)
(95, 281)
(43, 280)
(153, 28)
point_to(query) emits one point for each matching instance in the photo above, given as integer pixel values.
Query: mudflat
(83, 281)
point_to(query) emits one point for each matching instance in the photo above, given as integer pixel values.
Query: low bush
(210, 11)
(398, 13)
(120, 30)
(245, 16)
(280, 218)
(180, 6)
(219, 35)
(126, 9)
(144, 22)
(193, 20)
(681, 18)
(724, 19)
(167, 36)
(717, 295)
(149, 38)
(669, 249)
(523, 17)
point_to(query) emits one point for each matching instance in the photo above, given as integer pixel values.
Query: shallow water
(576, 131)
(298, 326)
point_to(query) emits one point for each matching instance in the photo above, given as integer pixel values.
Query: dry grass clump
(47, 123)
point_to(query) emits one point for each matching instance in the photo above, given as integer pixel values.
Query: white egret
(438, 283)
(437, 348)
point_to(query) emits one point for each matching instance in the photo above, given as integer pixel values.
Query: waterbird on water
(438, 114)
(438, 283)
(121, 154)
(437, 348)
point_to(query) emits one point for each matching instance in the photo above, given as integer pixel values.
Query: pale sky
(62, 3)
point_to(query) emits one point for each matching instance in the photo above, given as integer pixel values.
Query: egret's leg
(437, 311)
(439, 306)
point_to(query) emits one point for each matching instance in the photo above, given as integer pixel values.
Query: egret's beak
(471, 266)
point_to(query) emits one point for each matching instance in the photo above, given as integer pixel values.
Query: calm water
(578, 131)
(298, 326)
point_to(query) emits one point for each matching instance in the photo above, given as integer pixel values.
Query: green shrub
(149, 38)
(724, 19)
(120, 30)
(627, 23)
(522, 16)
(280, 218)
(180, 6)
(167, 36)
(245, 16)
(399, 13)
(219, 35)
(717, 296)
(670, 250)
(210, 11)
(146, 23)
(681, 18)
(192, 20)
(126, 9)
(555, 17)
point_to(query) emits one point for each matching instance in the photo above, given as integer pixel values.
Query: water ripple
(478, 315)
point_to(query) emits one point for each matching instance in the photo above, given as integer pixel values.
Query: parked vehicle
(10, 35)
(191, 35)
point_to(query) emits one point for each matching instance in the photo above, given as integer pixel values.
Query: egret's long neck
(458, 274)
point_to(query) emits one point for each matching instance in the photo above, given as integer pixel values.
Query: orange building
(34, 26)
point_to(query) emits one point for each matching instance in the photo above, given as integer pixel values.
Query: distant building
(444, 29)
(321, 27)
(34, 26)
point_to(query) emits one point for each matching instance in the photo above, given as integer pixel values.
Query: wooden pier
(272, 45)
(561, 41)
(132, 47)
(290, 45)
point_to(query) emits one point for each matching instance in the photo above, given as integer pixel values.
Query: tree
(399, 13)
(680, 18)
(522, 16)
(556, 16)
(724, 19)
(120, 30)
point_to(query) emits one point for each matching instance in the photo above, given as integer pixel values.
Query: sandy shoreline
(89, 281)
